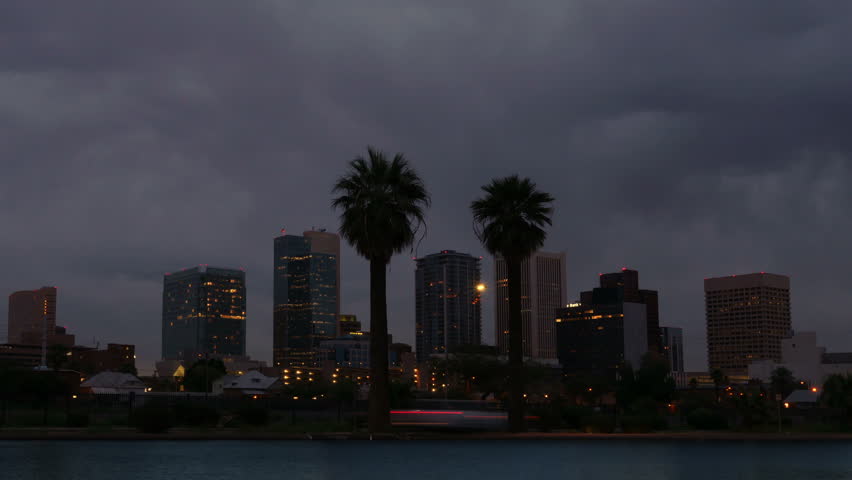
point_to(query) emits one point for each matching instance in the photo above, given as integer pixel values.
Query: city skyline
(681, 159)
(611, 280)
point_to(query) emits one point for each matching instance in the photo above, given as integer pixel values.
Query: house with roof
(252, 383)
(112, 383)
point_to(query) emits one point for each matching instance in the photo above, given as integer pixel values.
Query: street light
(481, 287)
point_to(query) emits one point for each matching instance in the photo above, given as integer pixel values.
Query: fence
(109, 410)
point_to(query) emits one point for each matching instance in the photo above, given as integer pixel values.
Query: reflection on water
(486, 460)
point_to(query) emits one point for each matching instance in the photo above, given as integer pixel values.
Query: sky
(682, 139)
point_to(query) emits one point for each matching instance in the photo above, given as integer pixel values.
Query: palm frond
(382, 204)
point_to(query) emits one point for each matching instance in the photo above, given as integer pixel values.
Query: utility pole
(778, 402)
(206, 376)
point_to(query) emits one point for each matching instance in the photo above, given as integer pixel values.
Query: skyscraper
(306, 296)
(204, 312)
(671, 339)
(747, 317)
(347, 324)
(626, 282)
(28, 312)
(542, 292)
(447, 307)
(597, 336)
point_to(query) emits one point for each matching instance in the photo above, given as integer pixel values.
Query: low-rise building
(250, 384)
(112, 383)
(808, 361)
(116, 357)
(172, 370)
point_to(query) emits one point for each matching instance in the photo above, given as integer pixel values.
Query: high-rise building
(306, 296)
(32, 314)
(601, 333)
(542, 293)
(447, 303)
(347, 325)
(747, 318)
(626, 282)
(671, 341)
(204, 313)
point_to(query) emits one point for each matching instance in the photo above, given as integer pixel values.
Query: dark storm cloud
(685, 139)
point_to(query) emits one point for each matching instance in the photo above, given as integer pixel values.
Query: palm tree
(782, 381)
(509, 221)
(382, 206)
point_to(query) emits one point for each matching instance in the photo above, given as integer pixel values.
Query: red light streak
(424, 412)
(419, 423)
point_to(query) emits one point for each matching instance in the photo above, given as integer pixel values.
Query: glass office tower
(447, 307)
(204, 312)
(306, 296)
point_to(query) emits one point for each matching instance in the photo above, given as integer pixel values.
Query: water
(484, 460)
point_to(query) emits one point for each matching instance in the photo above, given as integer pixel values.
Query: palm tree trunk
(379, 408)
(516, 348)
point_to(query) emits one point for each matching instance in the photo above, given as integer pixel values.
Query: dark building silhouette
(204, 313)
(86, 360)
(747, 318)
(306, 297)
(447, 303)
(116, 357)
(28, 312)
(600, 334)
(671, 339)
(347, 325)
(624, 285)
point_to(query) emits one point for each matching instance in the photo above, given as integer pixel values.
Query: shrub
(597, 424)
(254, 415)
(706, 419)
(549, 417)
(571, 415)
(152, 418)
(196, 415)
(642, 423)
(77, 420)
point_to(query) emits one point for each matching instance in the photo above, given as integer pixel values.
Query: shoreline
(224, 435)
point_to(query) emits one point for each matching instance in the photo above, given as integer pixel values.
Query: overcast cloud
(683, 139)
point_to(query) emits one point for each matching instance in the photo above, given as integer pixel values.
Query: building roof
(802, 396)
(116, 380)
(170, 368)
(252, 380)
